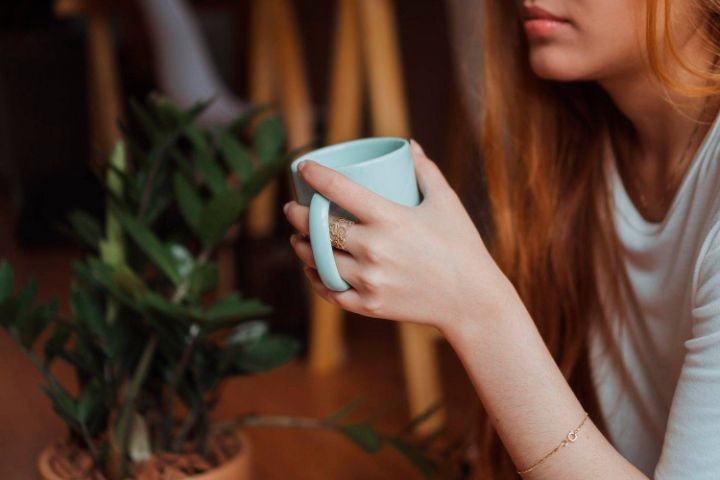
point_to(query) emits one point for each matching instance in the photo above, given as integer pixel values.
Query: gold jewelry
(570, 438)
(339, 227)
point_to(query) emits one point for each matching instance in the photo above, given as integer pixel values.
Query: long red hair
(543, 148)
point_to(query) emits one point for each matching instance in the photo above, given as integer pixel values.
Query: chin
(553, 64)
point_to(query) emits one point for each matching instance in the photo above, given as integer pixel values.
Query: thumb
(429, 176)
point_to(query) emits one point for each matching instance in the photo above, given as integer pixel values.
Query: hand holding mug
(424, 264)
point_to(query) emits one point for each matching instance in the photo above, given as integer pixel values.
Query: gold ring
(339, 227)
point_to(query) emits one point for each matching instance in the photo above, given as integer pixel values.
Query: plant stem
(128, 407)
(184, 430)
(90, 444)
(253, 420)
(175, 382)
(179, 371)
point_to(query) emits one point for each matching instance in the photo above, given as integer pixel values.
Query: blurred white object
(184, 69)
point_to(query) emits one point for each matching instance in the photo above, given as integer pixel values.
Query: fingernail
(285, 208)
(293, 239)
(417, 146)
(301, 165)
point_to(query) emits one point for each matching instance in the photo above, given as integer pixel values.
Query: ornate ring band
(339, 227)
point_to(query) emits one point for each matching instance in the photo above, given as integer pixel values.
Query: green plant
(147, 333)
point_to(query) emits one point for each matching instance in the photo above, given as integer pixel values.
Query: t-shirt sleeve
(691, 447)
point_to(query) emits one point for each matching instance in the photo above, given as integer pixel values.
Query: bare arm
(527, 398)
(428, 265)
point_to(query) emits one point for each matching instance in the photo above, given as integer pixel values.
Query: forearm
(527, 398)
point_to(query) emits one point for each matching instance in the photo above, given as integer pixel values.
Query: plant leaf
(269, 138)
(271, 351)
(97, 273)
(196, 137)
(128, 281)
(147, 123)
(165, 306)
(363, 435)
(146, 240)
(23, 322)
(184, 261)
(236, 156)
(213, 175)
(233, 307)
(219, 215)
(204, 278)
(35, 323)
(188, 199)
(88, 402)
(63, 404)
(86, 227)
(56, 343)
(87, 311)
(251, 113)
(7, 279)
(422, 417)
(414, 456)
(346, 410)
(248, 332)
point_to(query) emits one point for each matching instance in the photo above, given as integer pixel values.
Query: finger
(429, 176)
(303, 250)
(350, 299)
(366, 205)
(347, 265)
(298, 216)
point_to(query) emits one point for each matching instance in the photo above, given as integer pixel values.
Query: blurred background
(333, 70)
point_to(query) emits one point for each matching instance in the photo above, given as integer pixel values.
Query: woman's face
(597, 39)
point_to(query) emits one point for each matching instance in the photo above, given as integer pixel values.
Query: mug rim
(339, 146)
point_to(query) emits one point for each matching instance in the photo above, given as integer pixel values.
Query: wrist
(497, 304)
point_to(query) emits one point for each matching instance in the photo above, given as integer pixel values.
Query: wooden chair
(366, 42)
(106, 105)
(277, 74)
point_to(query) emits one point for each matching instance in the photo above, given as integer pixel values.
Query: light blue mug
(381, 164)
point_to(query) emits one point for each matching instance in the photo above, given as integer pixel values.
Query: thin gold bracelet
(570, 438)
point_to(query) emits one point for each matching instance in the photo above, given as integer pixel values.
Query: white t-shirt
(665, 417)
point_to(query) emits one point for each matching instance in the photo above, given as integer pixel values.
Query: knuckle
(374, 307)
(372, 280)
(374, 252)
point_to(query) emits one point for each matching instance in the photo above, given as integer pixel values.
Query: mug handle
(321, 247)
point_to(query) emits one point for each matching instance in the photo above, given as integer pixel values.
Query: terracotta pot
(239, 468)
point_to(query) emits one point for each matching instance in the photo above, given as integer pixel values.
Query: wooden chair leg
(263, 74)
(327, 343)
(327, 350)
(422, 372)
(105, 96)
(293, 89)
(390, 117)
(388, 105)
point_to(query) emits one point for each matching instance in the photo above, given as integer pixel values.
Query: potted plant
(150, 339)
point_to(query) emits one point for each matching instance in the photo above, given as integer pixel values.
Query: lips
(533, 12)
(541, 24)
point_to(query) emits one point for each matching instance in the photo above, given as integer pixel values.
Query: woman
(591, 332)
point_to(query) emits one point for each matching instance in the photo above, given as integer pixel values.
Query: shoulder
(707, 273)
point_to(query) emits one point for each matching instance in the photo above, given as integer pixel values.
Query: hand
(424, 264)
